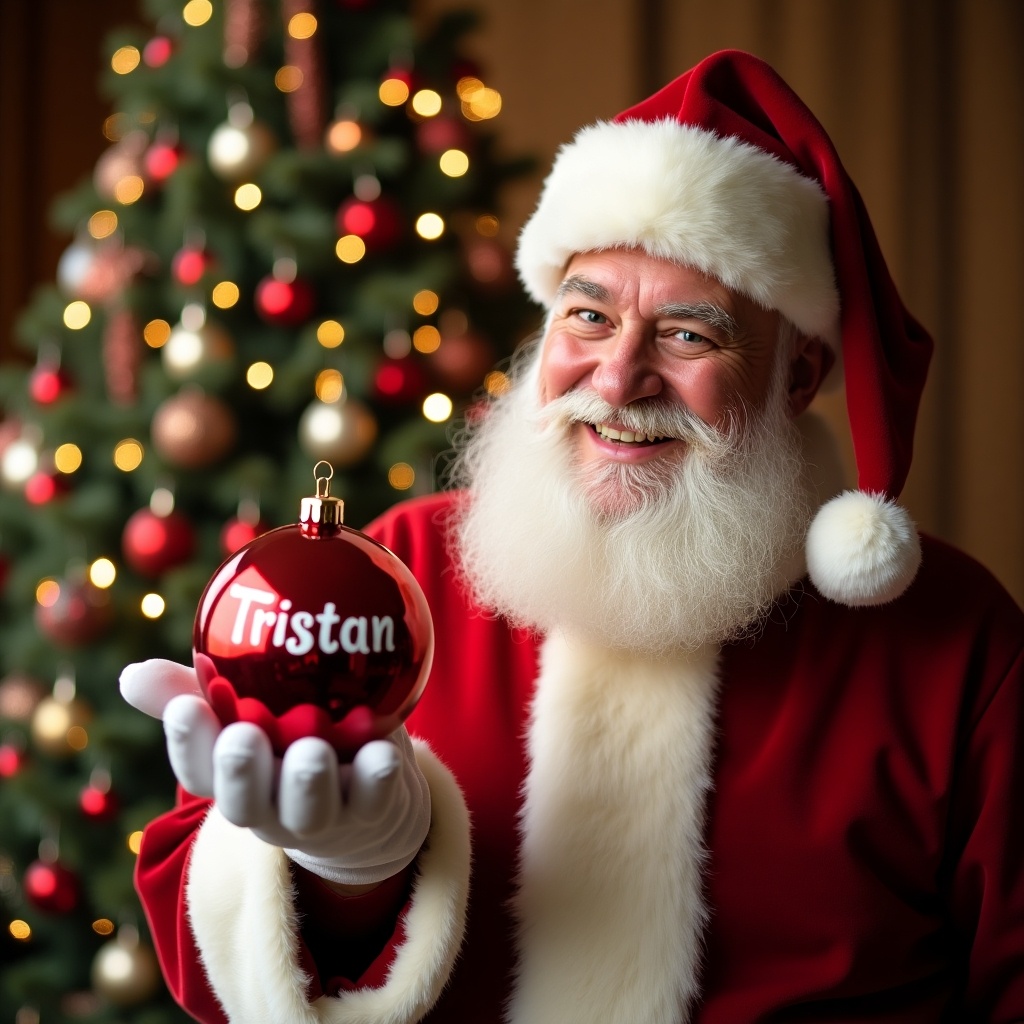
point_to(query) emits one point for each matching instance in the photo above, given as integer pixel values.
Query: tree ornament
(125, 970)
(240, 146)
(282, 297)
(12, 758)
(314, 629)
(378, 222)
(195, 345)
(243, 528)
(59, 721)
(191, 264)
(490, 264)
(345, 133)
(341, 432)
(158, 51)
(51, 887)
(122, 160)
(122, 356)
(73, 266)
(154, 542)
(113, 268)
(462, 361)
(20, 694)
(162, 158)
(80, 614)
(19, 457)
(98, 800)
(49, 382)
(46, 485)
(400, 381)
(437, 134)
(193, 430)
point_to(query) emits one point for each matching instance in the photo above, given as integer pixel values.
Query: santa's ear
(810, 365)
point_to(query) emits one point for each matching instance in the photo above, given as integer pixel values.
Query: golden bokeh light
(67, 458)
(426, 102)
(129, 189)
(343, 136)
(481, 104)
(330, 334)
(466, 86)
(437, 407)
(102, 224)
(248, 196)
(259, 376)
(115, 126)
(103, 926)
(496, 383)
(76, 738)
(152, 606)
(429, 226)
(77, 315)
(426, 339)
(401, 476)
(425, 302)
(20, 930)
(288, 78)
(393, 92)
(134, 841)
(454, 163)
(156, 333)
(329, 386)
(125, 59)
(350, 249)
(102, 573)
(128, 455)
(47, 593)
(302, 25)
(197, 12)
(487, 225)
(225, 294)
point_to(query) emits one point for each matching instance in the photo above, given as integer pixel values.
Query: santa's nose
(624, 372)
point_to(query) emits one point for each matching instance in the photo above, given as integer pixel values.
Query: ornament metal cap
(321, 513)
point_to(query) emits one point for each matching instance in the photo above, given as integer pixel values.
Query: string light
(454, 163)
(479, 103)
(496, 383)
(225, 294)
(288, 78)
(259, 375)
(125, 59)
(248, 196)
(156, 333)
(47, 593)
(20, 930)
(487, 225)
(350, 249)
(330, 334)
(128, 455)
(393, 92)
(134, 841)
(77, 315)
(426, 103)
(102, 573)
(425, 302)
(329, 386)
(67, 458)
(344, 136)
(152, 606)
(401, 476)
(437, 407)
(103, 926)
(102, 224)
(197, 12)
(429, 226)
(302, 25)
(129, 189)
(426, 339)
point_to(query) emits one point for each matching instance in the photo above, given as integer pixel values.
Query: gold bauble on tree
(125, 970)
(20, 694)
(59, 721)
(192, 430)
(341, 432)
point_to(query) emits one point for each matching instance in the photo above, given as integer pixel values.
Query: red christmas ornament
(51, 887)
(152, 544)
(157, 52)
(437, 134)
(400, 381)
(189, 265)
(377, 222)
(288, 303)
(161, 161)
(49, 383)
(43, 487)
(239, 532)
(314, 629)
(12, 758)
(79, 615)
(98, 804)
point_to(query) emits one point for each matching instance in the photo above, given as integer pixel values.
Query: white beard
(696, 553)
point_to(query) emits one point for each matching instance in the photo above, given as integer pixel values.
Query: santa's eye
(590, 316)
(690, 337)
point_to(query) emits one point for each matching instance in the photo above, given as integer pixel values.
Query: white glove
(353, 824)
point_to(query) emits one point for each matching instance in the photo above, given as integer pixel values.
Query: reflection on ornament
(52, 887)
(125, 971)
(78, 614)
(152, 543)
(240, 147)
(341, 432)
(19, 695)
(193, 430)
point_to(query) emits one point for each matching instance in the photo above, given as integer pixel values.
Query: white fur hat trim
(862, 549)
(685, 194)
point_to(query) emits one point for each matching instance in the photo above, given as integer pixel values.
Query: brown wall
(924, 99)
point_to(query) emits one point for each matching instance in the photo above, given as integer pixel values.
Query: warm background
(924, 99)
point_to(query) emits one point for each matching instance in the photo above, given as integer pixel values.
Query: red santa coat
(855, 853)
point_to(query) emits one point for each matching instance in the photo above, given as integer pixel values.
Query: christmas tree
(289, 252)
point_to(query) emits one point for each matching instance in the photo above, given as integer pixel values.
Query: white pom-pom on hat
(862, 549)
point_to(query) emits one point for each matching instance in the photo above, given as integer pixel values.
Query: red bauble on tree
(285, 302)
(154, 543)
(378, 222)
(400, 381)
(190, 264)
(78, 614)
(162, 160)
(314, 630)
(12, 758)
(48, 383)
(238, 532)
(52, 887)
(158, 51)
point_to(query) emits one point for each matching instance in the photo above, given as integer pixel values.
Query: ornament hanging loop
(323, 478)
(321, 515)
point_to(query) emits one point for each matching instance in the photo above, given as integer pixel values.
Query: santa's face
(630, 328)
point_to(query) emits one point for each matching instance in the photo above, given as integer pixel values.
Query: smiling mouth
(609, 433)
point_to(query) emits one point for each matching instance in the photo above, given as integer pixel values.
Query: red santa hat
(726, 170)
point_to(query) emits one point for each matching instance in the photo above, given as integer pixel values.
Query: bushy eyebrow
(583, 285)
(707, 312)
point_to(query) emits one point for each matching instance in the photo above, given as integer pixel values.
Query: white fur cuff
(242, 913)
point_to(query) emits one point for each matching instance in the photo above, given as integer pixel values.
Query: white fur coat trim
(610, 903)
(686, 194)
(240, 906)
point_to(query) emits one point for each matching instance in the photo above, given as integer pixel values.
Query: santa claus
(695, 747)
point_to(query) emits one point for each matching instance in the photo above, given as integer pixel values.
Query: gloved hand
(353, 824)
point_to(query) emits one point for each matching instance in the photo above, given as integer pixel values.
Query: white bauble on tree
(240, 146)
(341, 432)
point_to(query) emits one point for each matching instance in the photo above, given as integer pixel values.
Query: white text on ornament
(299, 632)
